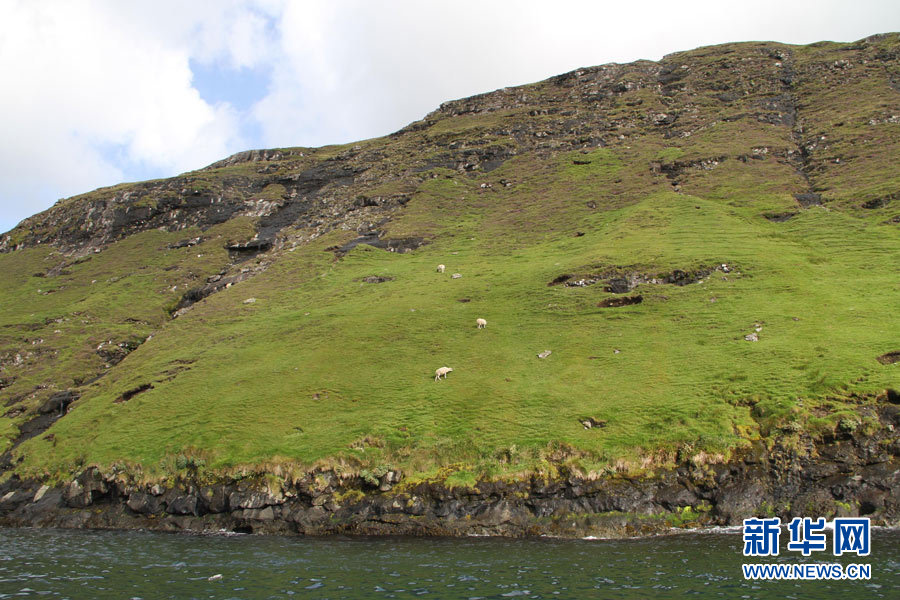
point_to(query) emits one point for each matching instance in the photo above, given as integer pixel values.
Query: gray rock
(183, 505)
(308, 518)
(40, 493)
(143, 503)
(216, 498)
(76, 496)
(254, 514)
(740, 500)
(388, 480)
(58, 402)
(250, 499)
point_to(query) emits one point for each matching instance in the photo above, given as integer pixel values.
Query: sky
(97, 92)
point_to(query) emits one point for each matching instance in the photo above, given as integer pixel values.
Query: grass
(324, 369)
(322, 360)
(56, 322)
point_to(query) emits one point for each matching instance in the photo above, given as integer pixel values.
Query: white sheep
(441, 268)
(442, 371)
(481, 323)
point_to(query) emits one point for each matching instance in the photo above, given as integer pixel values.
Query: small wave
(715, 529)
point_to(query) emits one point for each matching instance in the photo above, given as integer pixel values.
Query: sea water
(42, 563)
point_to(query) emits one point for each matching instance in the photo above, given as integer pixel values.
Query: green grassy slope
(324, 368)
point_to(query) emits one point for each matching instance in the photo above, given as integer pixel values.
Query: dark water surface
(90, 564)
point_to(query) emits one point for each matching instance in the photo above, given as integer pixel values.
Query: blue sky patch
(241, 88)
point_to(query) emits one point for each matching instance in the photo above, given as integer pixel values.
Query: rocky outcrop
(683, 95)
(621, 280)
(843, 474)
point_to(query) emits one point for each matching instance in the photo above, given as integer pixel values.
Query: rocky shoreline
(844, 474)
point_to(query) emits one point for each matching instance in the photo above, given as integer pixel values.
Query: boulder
(216, 498)
(58, 402)
(740, 500)
(252, 499)
(143, 503)
(184, 504)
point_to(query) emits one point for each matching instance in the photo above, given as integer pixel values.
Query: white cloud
(352, 69)
(97, 91)
(94, 91)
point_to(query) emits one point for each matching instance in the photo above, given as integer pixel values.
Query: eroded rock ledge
(844, 474)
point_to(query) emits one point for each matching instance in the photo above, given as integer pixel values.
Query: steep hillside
(709, 246)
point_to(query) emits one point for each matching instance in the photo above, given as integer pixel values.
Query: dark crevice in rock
(192, 296)
(780, 217)
(285, 215)
(125, 397)
(59, 402)
(561, 279)
(246, 250)
(620, 301)
(178, 367)
(370, 239)
(879, 202)
(889, 358)
(790, 109)
(375, 239)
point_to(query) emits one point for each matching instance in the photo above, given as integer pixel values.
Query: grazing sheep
(441, 268)
(481, 323)
(442, 371)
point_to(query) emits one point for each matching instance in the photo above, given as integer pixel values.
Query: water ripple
(137, 565)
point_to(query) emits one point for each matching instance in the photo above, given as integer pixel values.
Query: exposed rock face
(620, 301)
(57, 403)
(620, 280)
(842, 475)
